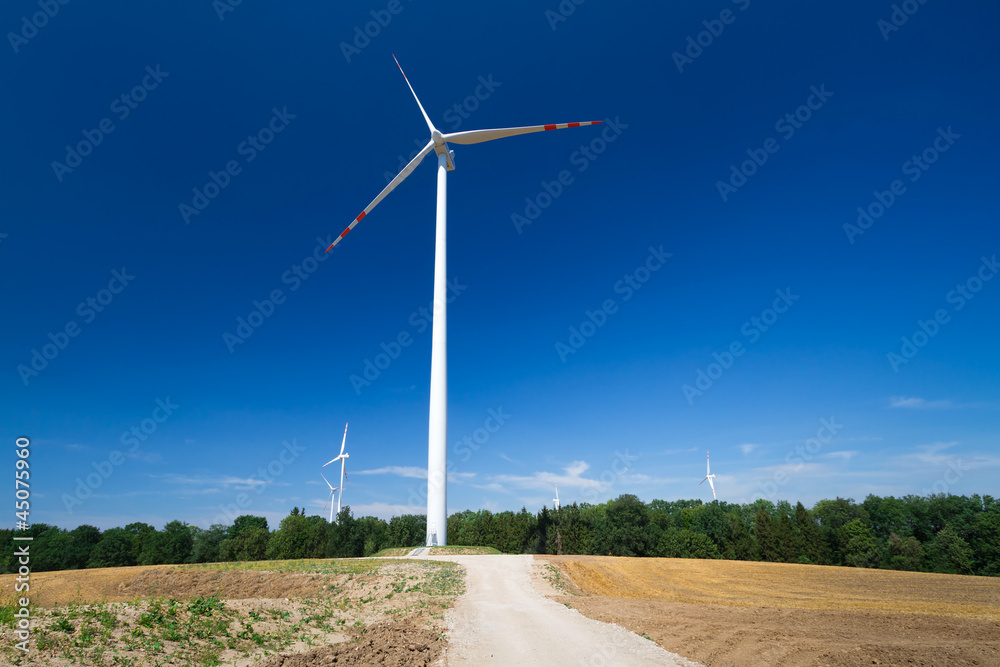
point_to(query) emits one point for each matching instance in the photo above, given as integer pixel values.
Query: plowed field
(736, 613)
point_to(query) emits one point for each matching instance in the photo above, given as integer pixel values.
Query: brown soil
(316, 612)
(122, 584)
(393, 645)
(732, 613)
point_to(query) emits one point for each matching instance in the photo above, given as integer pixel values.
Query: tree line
(936, 533)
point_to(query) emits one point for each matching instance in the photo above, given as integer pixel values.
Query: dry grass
(463, 551)
(747, 584)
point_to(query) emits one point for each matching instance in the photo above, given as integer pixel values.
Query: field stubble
(736, 613)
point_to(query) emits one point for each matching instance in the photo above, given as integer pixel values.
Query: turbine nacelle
(449, 155)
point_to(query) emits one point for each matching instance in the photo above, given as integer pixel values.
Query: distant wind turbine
(342, 457)
(709, 476)
(556, 499)
(333, 490)
(437, 439)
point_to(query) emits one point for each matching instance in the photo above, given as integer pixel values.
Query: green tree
(768, 545)
(289, 541)
(985, 543)
(407, 530)
(342, 536)
(113, 550)
(206, 541)
(904, 552)
(244, 522)
(860, 546)
(740, 544)
(623, 531)
(832, 516)
(172, 545)
(249, 545)
(140, 533)
(684, 543)
(812, 546)
(82, 541)
(948, 553)
(49, 549)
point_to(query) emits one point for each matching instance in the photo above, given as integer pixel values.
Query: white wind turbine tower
(437, 439)
(556, 499)
(333, 490)
(709, 476)
(342, 457)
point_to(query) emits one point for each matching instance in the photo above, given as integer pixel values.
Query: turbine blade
(329, 462)
(327, 481)
(430, 125)
(344, 443)
(711, 484)
(479, 136)
(400, 177)
(702, 481)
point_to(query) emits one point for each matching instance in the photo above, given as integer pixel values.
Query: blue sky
(724, 187)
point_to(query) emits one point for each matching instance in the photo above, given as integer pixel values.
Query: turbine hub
(437, 137)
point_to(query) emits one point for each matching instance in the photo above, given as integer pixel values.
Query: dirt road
(504, 620)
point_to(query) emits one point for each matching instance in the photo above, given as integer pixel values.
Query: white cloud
(413, 472)
(845, 455)
(748, 447)
(931, 453)
(400, 471)
(669, 452)
(220, 480)
(571, 479)
(510, 460)
(914, 403)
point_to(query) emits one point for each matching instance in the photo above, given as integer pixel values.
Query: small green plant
(202, 606)
(86, 637)
(63, 625)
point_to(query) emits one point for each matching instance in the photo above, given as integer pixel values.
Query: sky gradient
(780, 246)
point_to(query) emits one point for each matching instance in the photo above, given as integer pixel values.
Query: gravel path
(503, 620)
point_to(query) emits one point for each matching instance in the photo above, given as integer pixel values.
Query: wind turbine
(342, 457)
(708, 475)
(556, 499)
(333, 490)
(437, 438)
